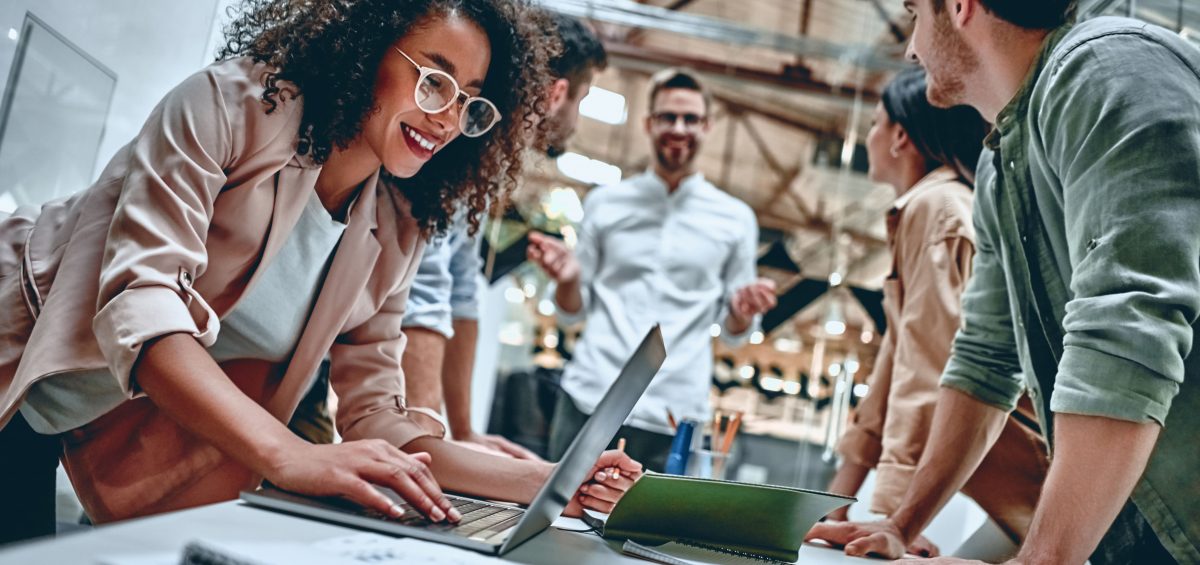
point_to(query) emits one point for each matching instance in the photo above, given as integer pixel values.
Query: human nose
(910, 54)
(679, 126)
(448, 120)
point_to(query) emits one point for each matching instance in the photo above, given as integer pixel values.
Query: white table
(233, 522)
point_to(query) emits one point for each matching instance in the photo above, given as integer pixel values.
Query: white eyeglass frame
(458, 95)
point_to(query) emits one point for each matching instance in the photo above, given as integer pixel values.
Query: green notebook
(752, 520)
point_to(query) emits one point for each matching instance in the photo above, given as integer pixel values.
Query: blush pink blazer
(168, 239)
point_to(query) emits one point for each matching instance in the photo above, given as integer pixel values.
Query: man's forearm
(457, 367)
(1090, 479)
(569, 297)
(422, 365)
(849, 478)
(963, 431)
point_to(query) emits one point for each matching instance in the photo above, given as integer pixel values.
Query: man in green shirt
(1086, 278)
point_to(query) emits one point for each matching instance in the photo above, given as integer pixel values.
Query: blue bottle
(681, 447)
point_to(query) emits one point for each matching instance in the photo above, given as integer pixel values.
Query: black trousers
(646, 447)
(27, 481)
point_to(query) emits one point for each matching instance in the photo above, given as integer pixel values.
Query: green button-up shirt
(1087, 269)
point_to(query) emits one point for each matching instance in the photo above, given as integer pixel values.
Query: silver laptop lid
(595, 435)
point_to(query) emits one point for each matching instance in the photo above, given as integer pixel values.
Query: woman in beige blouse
(313, 160)
(928, 156)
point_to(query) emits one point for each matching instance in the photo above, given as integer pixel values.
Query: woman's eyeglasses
(437, 90)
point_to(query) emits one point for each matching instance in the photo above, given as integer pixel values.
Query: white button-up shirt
(648, 256)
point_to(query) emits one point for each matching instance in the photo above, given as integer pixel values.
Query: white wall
(151, 45)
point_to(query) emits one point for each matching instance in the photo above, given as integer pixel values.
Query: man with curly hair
(161, 326)
(1086, 285)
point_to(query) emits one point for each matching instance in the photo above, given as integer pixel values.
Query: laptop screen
(595, 435)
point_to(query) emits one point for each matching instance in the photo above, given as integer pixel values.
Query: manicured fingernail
(616, 474)
(397, 510)
(584, 488)
(455, 515)
(601, 476)
(437, 514)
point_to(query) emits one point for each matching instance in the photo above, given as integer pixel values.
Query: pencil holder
(707, 464)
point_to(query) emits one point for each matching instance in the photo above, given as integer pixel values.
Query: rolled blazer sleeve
(365, 374)
(156, 241)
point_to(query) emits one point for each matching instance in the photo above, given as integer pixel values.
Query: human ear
(963, 12)
(900, 142)
(559, 90)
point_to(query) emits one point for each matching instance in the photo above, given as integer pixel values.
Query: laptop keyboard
(481, 521)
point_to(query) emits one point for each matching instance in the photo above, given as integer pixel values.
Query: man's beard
(556, 136)
(955, 60)
(671, 163)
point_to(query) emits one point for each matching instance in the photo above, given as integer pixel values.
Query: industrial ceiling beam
(795, 79)
(629, 13)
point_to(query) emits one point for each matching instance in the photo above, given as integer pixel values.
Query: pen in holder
(681, 446)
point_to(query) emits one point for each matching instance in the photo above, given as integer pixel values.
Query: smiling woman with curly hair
(161, 325)
(322, 50)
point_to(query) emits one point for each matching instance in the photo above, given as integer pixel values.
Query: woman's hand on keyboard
(351, 469)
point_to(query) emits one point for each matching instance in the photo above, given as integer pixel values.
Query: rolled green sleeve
(984, 362)
(1125, 139)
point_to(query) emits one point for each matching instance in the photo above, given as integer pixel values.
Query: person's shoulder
(1123, 41)
(257, 107)
(935, 193)
(940, 206)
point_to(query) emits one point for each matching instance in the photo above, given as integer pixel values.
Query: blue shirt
(446, 283)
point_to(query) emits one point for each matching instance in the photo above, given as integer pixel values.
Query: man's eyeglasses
(667, 120)
(437, 90)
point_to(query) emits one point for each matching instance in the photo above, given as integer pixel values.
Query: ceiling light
(588, 170)
(604, 106)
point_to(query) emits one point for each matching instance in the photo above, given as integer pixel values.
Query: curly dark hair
(331, 51)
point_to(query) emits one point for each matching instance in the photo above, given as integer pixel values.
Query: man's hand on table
(877, 539)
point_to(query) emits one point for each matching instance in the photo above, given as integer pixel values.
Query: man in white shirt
(663, 247)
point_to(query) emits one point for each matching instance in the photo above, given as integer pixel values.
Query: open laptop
(491, 527)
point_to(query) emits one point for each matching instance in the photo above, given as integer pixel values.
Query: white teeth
(425, 143)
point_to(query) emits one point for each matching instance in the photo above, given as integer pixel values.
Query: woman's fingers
(401, 479)
(363, 493)
(602, 492)
(593, 503)
(623, 481)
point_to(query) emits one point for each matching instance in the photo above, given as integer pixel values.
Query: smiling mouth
(420, 144)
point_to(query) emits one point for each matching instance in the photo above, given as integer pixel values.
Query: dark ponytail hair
(951, 137)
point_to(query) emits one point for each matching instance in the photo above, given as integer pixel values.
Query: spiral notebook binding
(640, 550)
(729, 551)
